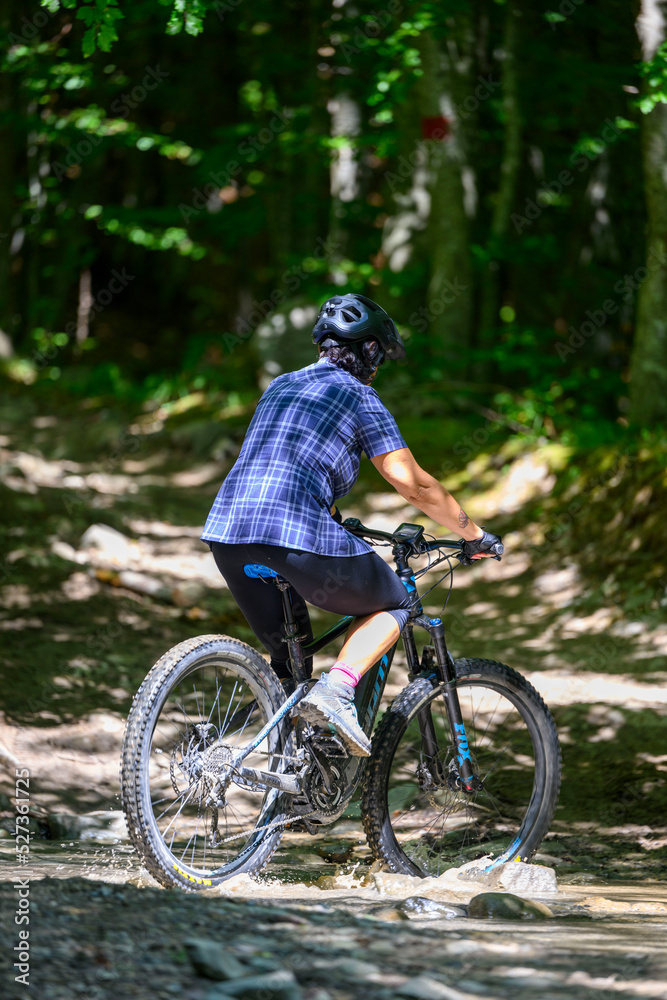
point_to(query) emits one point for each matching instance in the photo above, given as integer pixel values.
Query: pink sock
(342, 673)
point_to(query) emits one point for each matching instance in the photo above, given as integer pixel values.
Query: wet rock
(425, 988)
(326, 882)
(506, 906)
(516, 876)
(106, 826)
(279, 985)
(212, 960)
(422, 908)
(513, 876)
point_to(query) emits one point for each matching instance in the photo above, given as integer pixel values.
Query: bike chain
(269, 826)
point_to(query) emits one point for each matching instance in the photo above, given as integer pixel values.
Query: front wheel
(417, 815)
(202, 701)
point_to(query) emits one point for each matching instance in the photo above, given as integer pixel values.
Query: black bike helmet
(351, 318)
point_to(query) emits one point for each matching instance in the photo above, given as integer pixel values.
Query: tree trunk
(509, 172)
(648, 366)
(9, 112)
(442, 89)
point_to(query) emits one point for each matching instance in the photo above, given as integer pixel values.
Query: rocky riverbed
(358, 932)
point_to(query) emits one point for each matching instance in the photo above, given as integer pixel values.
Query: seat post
(290, 630)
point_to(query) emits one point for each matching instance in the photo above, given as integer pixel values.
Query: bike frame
(437, 664)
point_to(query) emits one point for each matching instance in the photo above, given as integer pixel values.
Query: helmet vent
(389, 327)
(351, 315)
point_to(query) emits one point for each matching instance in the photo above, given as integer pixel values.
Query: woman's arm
(401, 471)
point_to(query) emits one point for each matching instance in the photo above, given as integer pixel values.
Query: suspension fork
(446, 673)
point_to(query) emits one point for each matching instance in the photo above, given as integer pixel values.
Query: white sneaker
(331, 704)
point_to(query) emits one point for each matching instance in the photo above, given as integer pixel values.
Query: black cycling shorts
(344, 585)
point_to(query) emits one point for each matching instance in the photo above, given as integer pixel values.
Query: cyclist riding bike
(275, 508)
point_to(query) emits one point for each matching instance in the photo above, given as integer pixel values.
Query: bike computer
(406, 532)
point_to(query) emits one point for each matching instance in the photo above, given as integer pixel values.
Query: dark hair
(363, 365)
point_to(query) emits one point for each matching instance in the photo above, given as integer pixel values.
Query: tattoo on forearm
(464, 520)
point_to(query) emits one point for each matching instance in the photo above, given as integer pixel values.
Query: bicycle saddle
(256, 570)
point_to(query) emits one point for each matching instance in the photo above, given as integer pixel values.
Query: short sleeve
(377, 430)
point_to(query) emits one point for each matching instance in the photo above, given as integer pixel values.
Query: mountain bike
(465, 763)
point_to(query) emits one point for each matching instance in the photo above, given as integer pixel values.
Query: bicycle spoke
(440, 827)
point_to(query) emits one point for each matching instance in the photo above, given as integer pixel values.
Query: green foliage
(217, 152)
(655, 77)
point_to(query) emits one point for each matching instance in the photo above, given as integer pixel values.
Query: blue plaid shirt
(301, 453)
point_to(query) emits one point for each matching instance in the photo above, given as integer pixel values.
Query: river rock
(517, 876)
(425, 988)
(513, 876)
(106, 826)
(506, 906)
(279, 985)
(212, 960)
(422, 908)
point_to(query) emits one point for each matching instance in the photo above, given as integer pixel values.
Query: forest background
(183, 182)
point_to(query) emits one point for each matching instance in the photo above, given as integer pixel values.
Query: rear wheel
(204, 698)
(417, 816)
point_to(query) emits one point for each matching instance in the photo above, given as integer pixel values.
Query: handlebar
(414, 540)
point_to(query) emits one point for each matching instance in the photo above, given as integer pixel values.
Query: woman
(300, 454)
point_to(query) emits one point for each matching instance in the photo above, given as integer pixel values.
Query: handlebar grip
(497, 548)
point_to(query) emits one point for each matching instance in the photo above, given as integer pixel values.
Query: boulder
(506, 906)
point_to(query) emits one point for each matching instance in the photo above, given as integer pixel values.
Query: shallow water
(606, 939)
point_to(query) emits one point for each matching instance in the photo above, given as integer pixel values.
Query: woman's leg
(367, 640)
